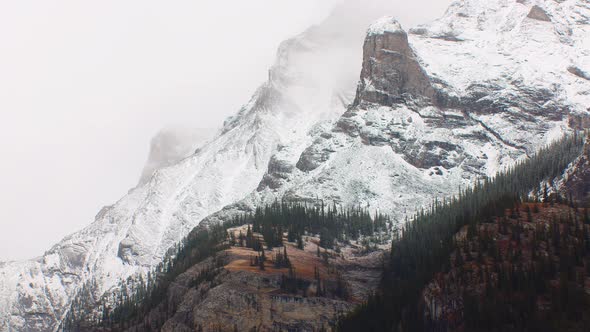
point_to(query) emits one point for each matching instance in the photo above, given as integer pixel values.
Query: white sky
(84, 85)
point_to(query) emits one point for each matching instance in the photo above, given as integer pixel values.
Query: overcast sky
(85, 85)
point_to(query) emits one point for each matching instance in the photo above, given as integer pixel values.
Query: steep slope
(448, 103)
(429, 239)
(271, 306)
(523, 267)
(436, 108)
(312, 81)
(297, 286)
(513, 274)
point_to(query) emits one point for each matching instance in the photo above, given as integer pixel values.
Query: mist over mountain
(362, 123)
(170, 145)
(85, 86)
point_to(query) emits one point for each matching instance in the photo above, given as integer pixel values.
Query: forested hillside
(450, 267)
(260, 232)
(527, 269)
(430, 245)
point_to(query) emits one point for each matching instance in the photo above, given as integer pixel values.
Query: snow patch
(384, 25)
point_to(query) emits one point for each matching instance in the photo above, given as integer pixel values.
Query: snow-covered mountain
(445, 104)
(436, 107)
(312, 81)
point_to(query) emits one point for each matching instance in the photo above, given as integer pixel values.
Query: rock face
(537, 13)
(445, 104)
(390, 68)
(578, 72)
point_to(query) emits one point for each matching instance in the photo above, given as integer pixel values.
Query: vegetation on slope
(427, 241)
(418, 253)
(527, 269)
(133, 300)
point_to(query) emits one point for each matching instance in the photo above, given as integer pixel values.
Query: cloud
(171, 145)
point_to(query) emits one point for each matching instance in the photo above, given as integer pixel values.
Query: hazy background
(85, 85)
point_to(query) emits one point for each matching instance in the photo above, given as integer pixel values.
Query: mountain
(247, 274)
(504, 255)
(314, 77)
(437, 107)
(443, 105)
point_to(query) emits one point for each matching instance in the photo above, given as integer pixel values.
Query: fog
(85, 86)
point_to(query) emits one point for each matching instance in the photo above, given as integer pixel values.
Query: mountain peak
(387, 24)
(391, 69)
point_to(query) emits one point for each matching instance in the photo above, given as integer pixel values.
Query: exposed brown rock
(391, 71)
(538, 13)
(242, 297)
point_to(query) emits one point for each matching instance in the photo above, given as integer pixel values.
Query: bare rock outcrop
(390, 67)
(314, 156)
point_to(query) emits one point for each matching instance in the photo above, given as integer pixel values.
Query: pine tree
(300, 244)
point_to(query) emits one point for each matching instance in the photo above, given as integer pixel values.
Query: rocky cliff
(442, 105)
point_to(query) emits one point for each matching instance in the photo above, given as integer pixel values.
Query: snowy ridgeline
(460, 98)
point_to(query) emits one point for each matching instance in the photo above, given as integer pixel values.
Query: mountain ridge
(466, 129)
(391, 150)
(132, 236)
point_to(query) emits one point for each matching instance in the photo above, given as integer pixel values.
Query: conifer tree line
(330, 222)
(423, 246)
(135, 297)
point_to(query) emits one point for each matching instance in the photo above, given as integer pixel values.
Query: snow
(505, 46)
(486, 42)
(492, 43)
(313, 79)
(384, 25)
